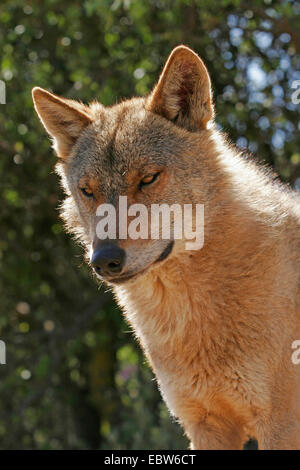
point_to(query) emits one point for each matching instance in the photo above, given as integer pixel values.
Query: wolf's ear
(183, 93)
(63, 119)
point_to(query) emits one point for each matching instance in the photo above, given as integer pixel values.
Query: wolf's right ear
(183, 93)
(63, 119)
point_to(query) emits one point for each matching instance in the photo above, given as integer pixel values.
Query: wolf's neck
(195, 291)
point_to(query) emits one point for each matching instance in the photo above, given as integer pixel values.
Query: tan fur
(216, 324)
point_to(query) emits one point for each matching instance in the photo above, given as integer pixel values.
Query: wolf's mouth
(166, 252)
(162, 257)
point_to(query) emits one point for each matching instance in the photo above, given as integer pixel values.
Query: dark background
(75, 378)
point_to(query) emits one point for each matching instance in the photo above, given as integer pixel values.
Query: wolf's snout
(108, 260)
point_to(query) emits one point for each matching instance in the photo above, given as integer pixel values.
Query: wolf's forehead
(123, 140)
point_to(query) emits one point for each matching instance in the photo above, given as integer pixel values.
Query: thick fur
(216, 324)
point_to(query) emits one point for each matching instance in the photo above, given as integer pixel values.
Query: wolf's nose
(108, 260)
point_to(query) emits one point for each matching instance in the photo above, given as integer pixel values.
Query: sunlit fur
(217, 324)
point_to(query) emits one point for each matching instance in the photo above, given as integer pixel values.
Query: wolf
(216, 324)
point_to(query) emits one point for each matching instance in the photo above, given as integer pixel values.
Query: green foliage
(74, 376)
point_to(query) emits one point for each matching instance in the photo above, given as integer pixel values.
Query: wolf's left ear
(63, 119)
(183, 93)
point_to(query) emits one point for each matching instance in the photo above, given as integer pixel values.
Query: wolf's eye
(148, 179)
(87, 192)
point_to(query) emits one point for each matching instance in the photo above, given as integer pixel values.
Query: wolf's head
(152, 150)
